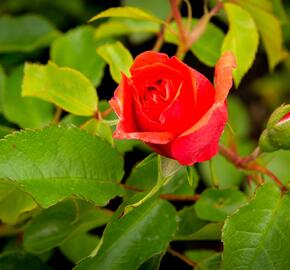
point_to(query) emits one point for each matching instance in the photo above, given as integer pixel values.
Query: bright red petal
(122, 104)
(148, 58)
(202, 144)
(285, 118)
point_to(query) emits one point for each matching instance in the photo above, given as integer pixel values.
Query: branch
(181, 257)
(199, 29)
(57, 115)
(160, 37)
(248, 163)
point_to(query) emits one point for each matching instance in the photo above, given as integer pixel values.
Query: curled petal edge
(147, 137)
(223, 83)
(202, 144)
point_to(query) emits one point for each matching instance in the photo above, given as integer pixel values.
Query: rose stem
(57, 115)
(107, 112)
(181, 30)
(199, 29)
(181, 257)
(244, 164)
(187, 39)
(160, 36)
(169, 197)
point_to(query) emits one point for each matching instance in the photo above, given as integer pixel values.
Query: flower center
(156, 92)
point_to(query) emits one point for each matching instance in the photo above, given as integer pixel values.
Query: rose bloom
(172, 107)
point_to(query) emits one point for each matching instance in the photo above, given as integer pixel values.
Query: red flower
(172, 107)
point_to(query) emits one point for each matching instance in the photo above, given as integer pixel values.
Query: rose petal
(285, 118)
(147, 137)
(122, 104)
(153, 72)
(203, 91)
(148, 58)
(223, 82)
(202, 144)
(223, 78)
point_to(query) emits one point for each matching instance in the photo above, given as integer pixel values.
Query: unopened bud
(277, 134)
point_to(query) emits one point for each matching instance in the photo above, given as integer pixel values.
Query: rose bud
(277, 133)
(173, 108)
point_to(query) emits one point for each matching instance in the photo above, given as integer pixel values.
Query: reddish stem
(182, 257)
(248, 163)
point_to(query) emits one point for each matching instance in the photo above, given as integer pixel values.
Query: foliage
(73, 196)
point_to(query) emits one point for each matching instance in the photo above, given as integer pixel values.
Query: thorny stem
(181, 257)
(248, 163)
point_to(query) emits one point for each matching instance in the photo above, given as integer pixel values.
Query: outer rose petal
(122, 104)
(202, 144)
(223, 83)
(223, 78)
(148, 58)
(147, 137)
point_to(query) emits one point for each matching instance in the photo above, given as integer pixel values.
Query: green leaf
(77, 49)
(99, 128)
(2, 87)
(118, 58)
(127, 12)
(257, 236)
(65, 87)
(276, 162)
(270, 31)
(72, 163)
(25, 33)
(159, 8)
(205, 259)
(153, 263)
(13, 202)
(118, 27)
(130, 240)
(146, 160)
(5, 130)
(192, 177)
(21, 261)
(239, 118)
(188, 223)
(226, 173)
(217, 204)
(167, 167)
(27, 112)
(144, 177)
(79, 246)
(53, 226)
(242, 39)
(207, 48)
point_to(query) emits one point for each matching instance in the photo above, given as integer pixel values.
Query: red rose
(173, 108)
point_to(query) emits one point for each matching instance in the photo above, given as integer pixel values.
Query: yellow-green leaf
(270, 31)
(118, 57)
(65, 87)
(127, 12)
(242, 39)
